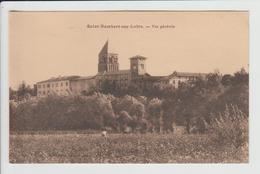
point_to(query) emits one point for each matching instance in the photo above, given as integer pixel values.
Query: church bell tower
(137, 65)
(108, 61)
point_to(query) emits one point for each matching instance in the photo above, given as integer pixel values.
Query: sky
(49, 44)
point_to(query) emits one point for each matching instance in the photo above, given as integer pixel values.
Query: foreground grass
(120, 148)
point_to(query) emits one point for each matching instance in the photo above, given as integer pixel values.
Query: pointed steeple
(104, 50)
(108, 60)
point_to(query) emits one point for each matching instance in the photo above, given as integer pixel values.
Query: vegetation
(231, 128)
(119, 148)
(194, 105)
(24, 92)
(214, 108)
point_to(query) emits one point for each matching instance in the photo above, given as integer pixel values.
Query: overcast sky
(49, 44)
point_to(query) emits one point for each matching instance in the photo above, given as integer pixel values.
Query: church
(108, 69)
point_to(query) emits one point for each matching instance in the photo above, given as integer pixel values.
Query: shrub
(155, 111)
(230, 128)
(63, 113)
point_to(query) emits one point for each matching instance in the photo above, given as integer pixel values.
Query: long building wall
(54, 87)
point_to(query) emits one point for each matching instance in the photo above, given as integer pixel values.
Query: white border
(254, 11)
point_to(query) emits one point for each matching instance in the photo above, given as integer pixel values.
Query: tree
(227, 80)
(107, 86)
(213, 80)
(101, 107)
(241, 77)
(134, 89)
(124, 119)
(194, 97)
(137, 109)
(170, 106)
(156, 114)
(134, 108)
(111, 87)
(13, 115)
(24, 91)
(12, 94)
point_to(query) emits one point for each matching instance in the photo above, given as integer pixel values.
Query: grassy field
(120, 148)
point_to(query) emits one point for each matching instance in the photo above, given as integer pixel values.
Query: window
(61, 84)
(39, 86)
(67, 83)
(48, 85)
(43, 86)
(39, 92)
(43, 92)
(142, 66)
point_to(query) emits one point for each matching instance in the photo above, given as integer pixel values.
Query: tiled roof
(53, 79)
(84, 78)
(115, 72)
(148, 77)
(138, 57)
(187, 74)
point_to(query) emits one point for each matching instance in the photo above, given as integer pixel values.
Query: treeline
(196, 105)
(24, 92)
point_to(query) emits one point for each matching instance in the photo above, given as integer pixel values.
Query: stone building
(108, 69)
(176, 78)
(107, 60)
(66, 85)
(59, 86)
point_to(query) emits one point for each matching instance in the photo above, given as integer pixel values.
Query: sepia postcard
(128, 87)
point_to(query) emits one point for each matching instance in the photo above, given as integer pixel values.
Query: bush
(63, 113)
(230, 128)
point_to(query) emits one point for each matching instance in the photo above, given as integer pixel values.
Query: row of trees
(80, 112)
(202, 100)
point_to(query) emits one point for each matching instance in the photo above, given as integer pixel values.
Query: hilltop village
(108, 70)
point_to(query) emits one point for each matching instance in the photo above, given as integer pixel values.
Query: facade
(108, 69)
(176, 78)
(59, 86)
(121, 78)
